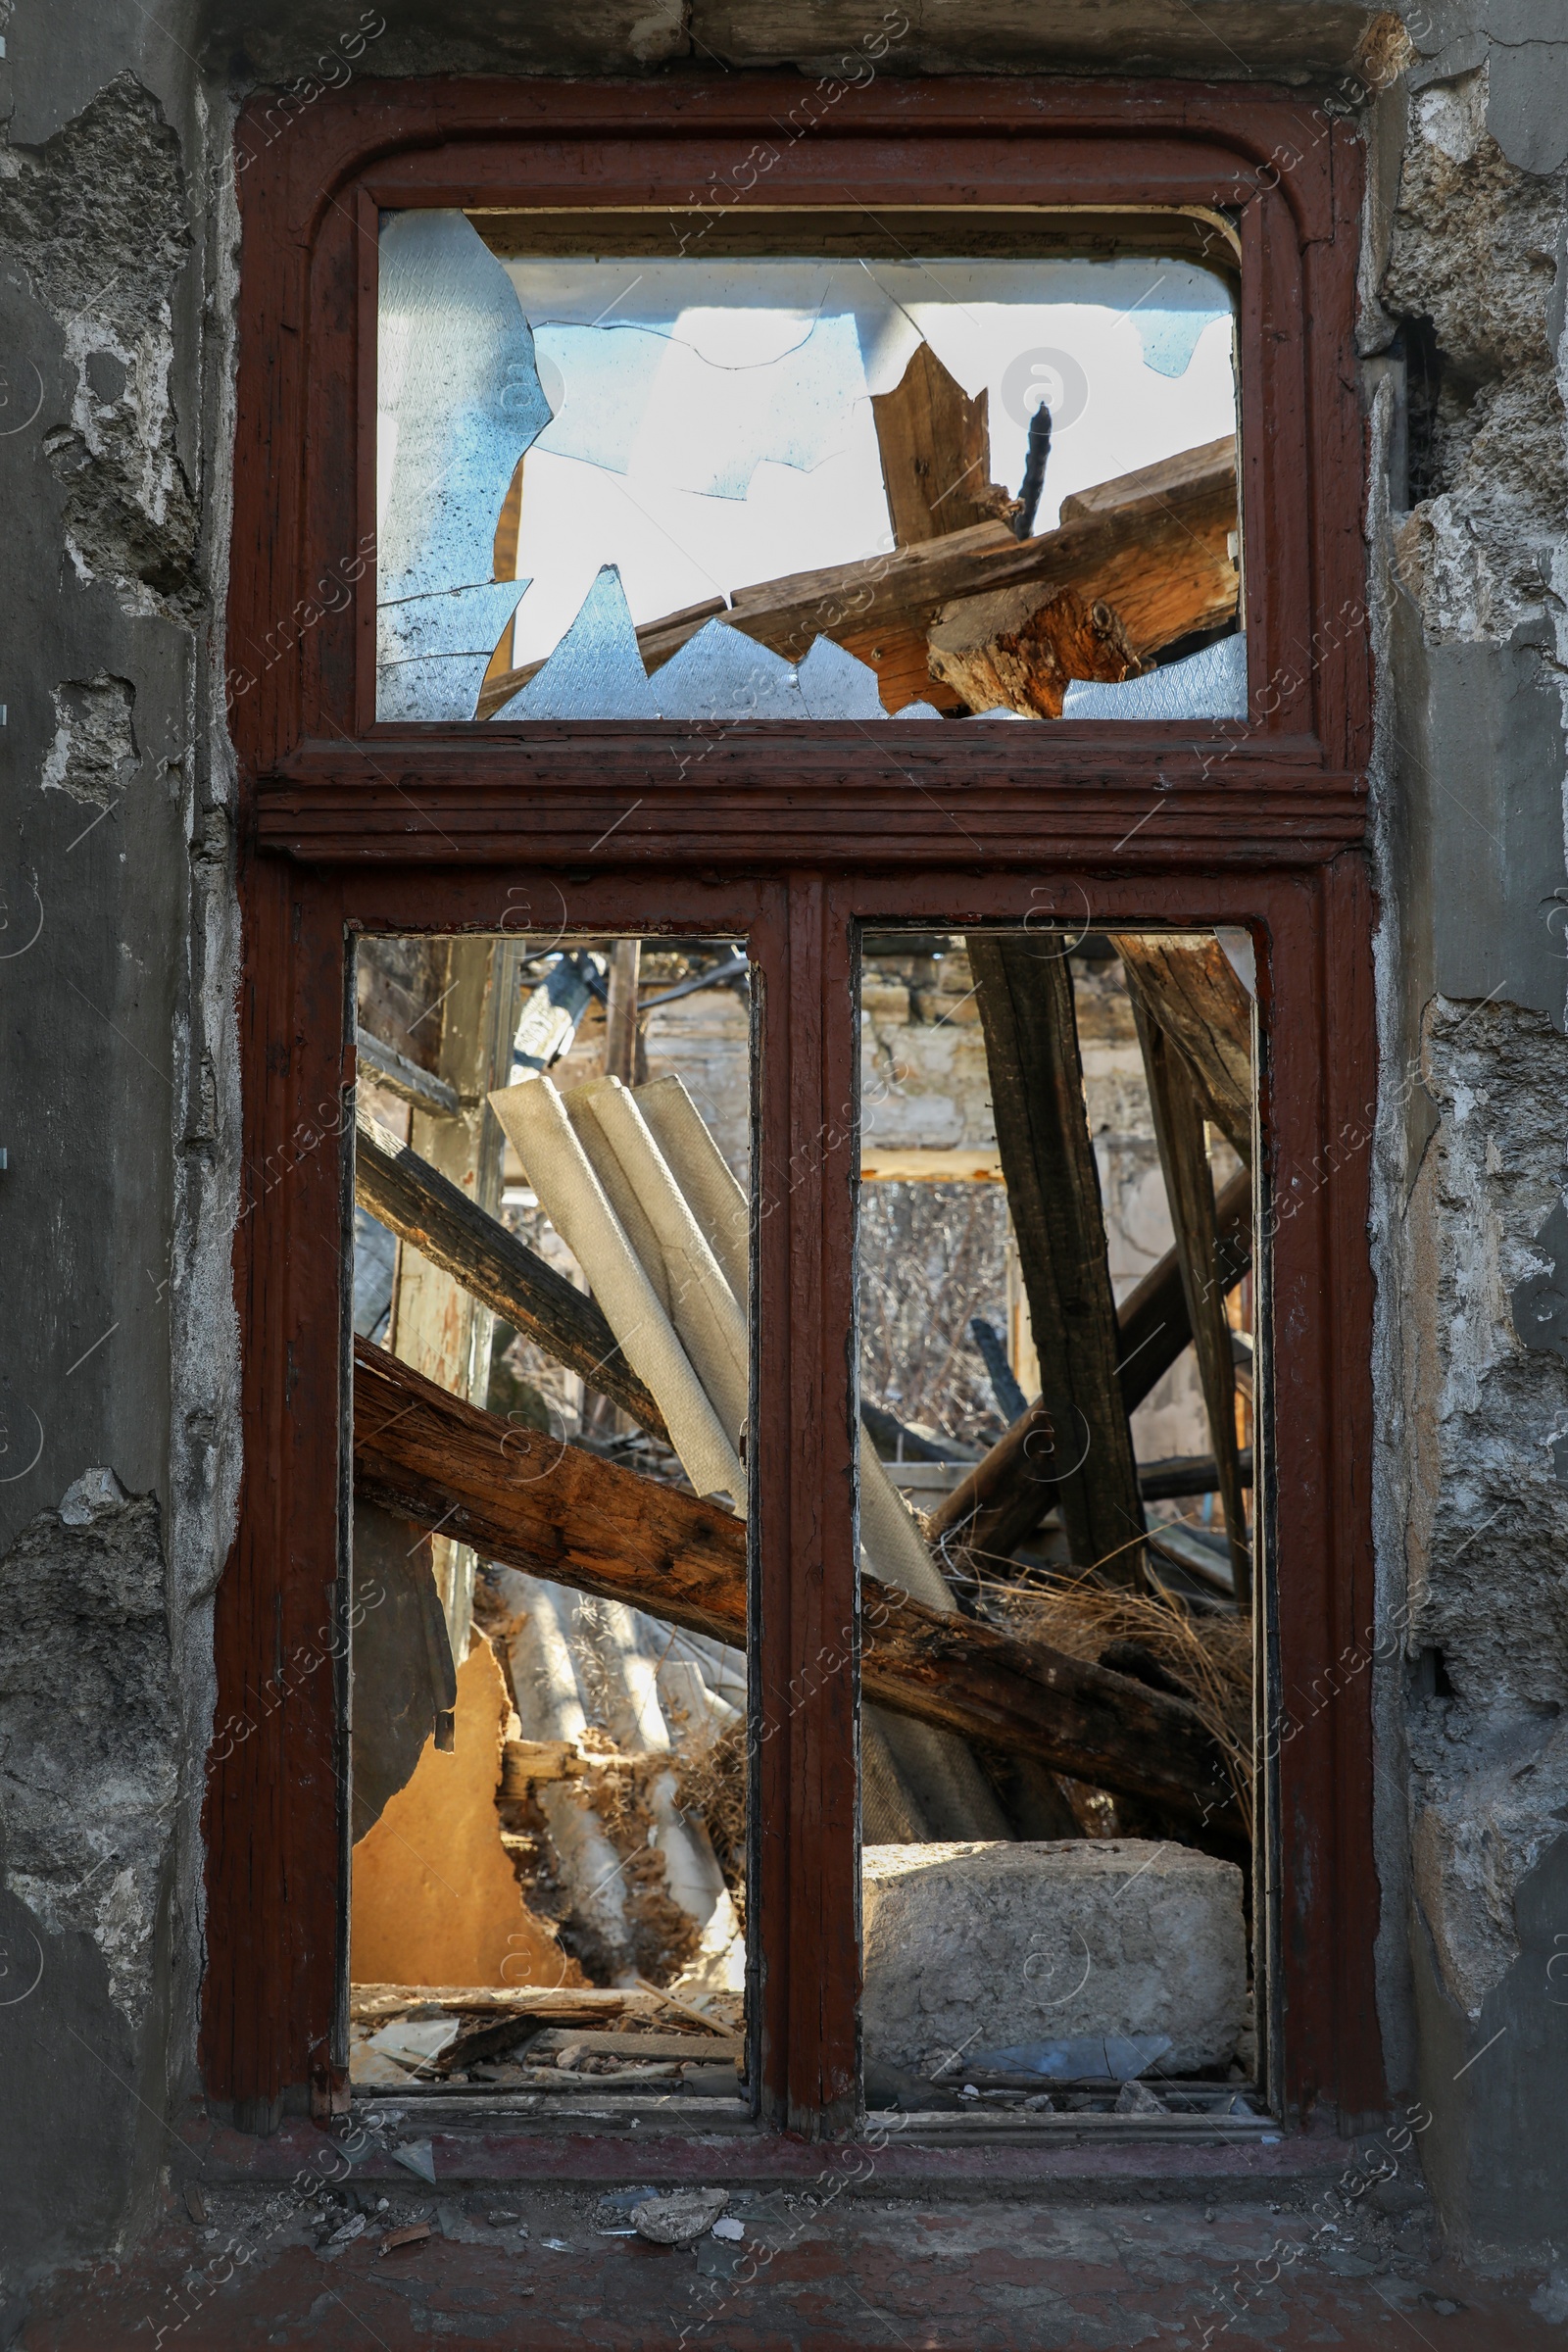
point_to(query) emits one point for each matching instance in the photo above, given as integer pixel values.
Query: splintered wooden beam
(1190, 1193)
(449, 1230)
(935, 445)
(1014, 652)
(1188, 984)
(1024, 989)
(560, 1512)
(1154, 548)
(1008, 1491)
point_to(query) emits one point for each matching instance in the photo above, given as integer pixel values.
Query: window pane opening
(548, 1679)
(1055, 1299)
(945, 477)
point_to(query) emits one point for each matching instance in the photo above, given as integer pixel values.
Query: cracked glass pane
(980, 479)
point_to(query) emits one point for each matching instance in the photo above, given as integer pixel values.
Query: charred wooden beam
(1154, 547)
(1189, 987)
(1190, 1193)
(1009, 1489)
(559, 1512)
(421, 1207)
(1081, 1438)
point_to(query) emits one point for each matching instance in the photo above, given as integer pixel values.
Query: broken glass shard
(835, 685)
(918, 710)
(645, 399)
(432, 651)
(596, 670)
(721, 674)
(459, 400)
(1212, 684)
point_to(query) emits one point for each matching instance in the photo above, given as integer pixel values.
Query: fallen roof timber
(559, 1512)
(1159, 554)
(421, 1207)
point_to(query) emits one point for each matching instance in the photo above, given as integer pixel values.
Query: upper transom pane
(935, 466)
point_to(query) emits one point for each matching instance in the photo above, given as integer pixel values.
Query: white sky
(694, 384)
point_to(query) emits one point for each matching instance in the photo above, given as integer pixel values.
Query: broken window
(1055, 1352)
(625, 472)
(549, 1867)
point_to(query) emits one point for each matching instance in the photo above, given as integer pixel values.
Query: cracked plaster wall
(1468, 239)
(119, 1441)
(117, 275)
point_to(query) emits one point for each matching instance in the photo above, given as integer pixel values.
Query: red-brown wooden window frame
(794, 832)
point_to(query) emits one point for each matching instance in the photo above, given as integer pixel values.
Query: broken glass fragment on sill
(721, 674)
(432, 651)
(596, 670)
(918, 710)
(1212, 684)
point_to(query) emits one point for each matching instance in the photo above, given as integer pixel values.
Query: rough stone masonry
(121, 1449)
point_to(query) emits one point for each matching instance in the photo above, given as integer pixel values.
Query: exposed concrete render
(985, 1947)
(1468, 230)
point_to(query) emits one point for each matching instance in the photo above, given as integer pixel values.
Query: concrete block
(978, 1947)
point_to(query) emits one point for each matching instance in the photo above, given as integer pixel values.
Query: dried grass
(1212, 1655)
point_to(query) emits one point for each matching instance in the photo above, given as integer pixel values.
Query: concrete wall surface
(120, 1441)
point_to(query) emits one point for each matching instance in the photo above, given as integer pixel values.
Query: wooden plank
(1151, 1320)
(935, 445)
(581, 1521)
(919, 1163)
(449, 1231)
(624, 1056)
(1004, 1496)
(1190, 1193)
(437, 1324)
(1025, 996)
(1191, 989)
(1160, 559)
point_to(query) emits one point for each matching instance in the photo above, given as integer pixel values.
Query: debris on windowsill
(682, 2216)
(415, 2234)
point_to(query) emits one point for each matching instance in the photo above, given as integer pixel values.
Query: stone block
(984, 1947)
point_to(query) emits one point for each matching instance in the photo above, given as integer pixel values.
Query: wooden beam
(935, 445)
(1188, 984)
(1005, 1494)
(1190, 1193)
(404, 1078)
(1080, 1436)
(1158, 557)
(449, 1231)
(560, 1512)
(1014, 652)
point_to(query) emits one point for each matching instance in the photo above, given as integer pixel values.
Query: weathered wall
(116, 220)
(1468, 234)
(119, 1111)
